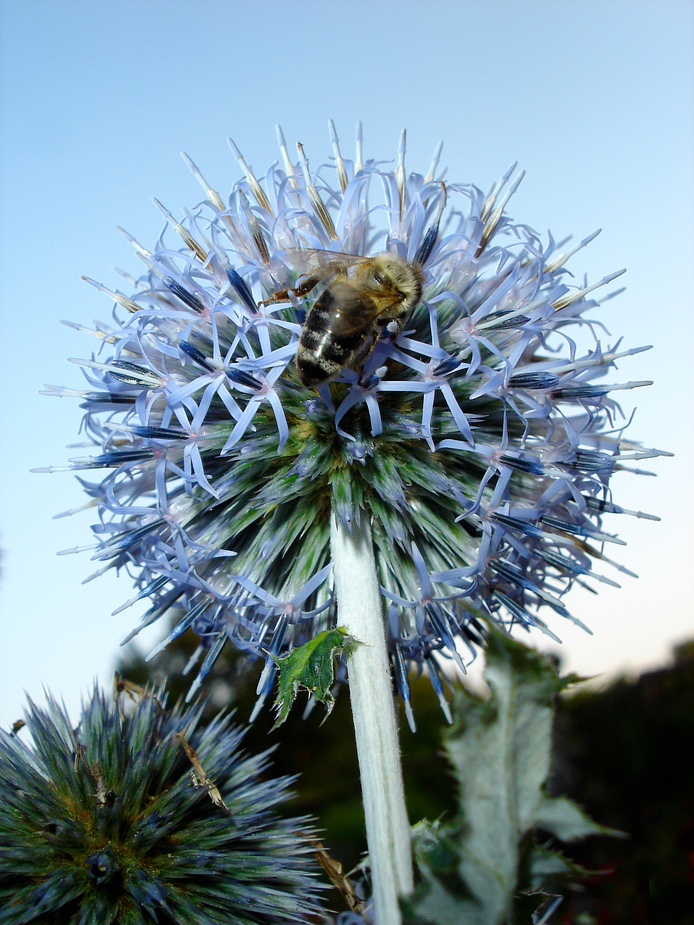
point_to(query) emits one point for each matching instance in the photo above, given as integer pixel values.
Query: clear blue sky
(594, 99)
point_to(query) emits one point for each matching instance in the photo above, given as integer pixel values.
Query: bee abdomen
(313, 371)
(322, 354)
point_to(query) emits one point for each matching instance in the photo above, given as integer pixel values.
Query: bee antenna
(427, 245)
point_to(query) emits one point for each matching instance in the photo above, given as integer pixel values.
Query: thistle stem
(360, 610)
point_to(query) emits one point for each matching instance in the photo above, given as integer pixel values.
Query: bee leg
(391, 328)
(384, 329)
(363, 353)
(285, 295)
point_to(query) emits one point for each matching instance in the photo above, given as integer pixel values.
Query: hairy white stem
(360, 610)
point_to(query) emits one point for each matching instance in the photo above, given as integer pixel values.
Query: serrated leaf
(500, 751)
(435, 905)
(545, 863)
(568, 821)
(312, 667)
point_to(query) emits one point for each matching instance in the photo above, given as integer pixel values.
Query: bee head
(391, 272)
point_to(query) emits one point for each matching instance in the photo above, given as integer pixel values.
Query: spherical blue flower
(473, 431)
(141, 816)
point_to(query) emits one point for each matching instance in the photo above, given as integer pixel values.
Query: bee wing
(351, 310)
(321, 263)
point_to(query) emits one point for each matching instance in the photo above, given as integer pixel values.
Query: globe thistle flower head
(454, 410)
(145, 817)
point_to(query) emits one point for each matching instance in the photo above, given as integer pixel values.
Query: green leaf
(546, 864)
(312, 667)
(474, 871)
(568, 821)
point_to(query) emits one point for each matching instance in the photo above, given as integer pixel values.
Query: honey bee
(363, 299)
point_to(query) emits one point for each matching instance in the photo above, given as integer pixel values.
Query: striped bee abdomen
(361, 300)
(338, 330)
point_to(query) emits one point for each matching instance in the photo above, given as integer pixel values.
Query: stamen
(142, 251)
(493, 221)
(432, 234)
(313, 195)
(571, 297)
(129, 278)
(185, 235)
(93, 502)
(210, 658)
(556, 262)
(608, 507)
(403, 685)
(436, 683)
(400, 171)
(192, 301)
(129, 373)
(604, 359)
(124, 302)
(588, 391)
(212, 195)
(74, 549)
(358, 163)
(494, 192)
(252, 182)
(339, 163)
(434, 163)
(289, 168)
(597, 554)
(255, 229)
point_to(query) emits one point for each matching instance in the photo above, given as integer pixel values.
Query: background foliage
(620, 753)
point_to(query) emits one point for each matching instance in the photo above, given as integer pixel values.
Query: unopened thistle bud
(144, 815)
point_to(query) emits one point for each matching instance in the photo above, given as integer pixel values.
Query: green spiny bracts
(145, 818)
